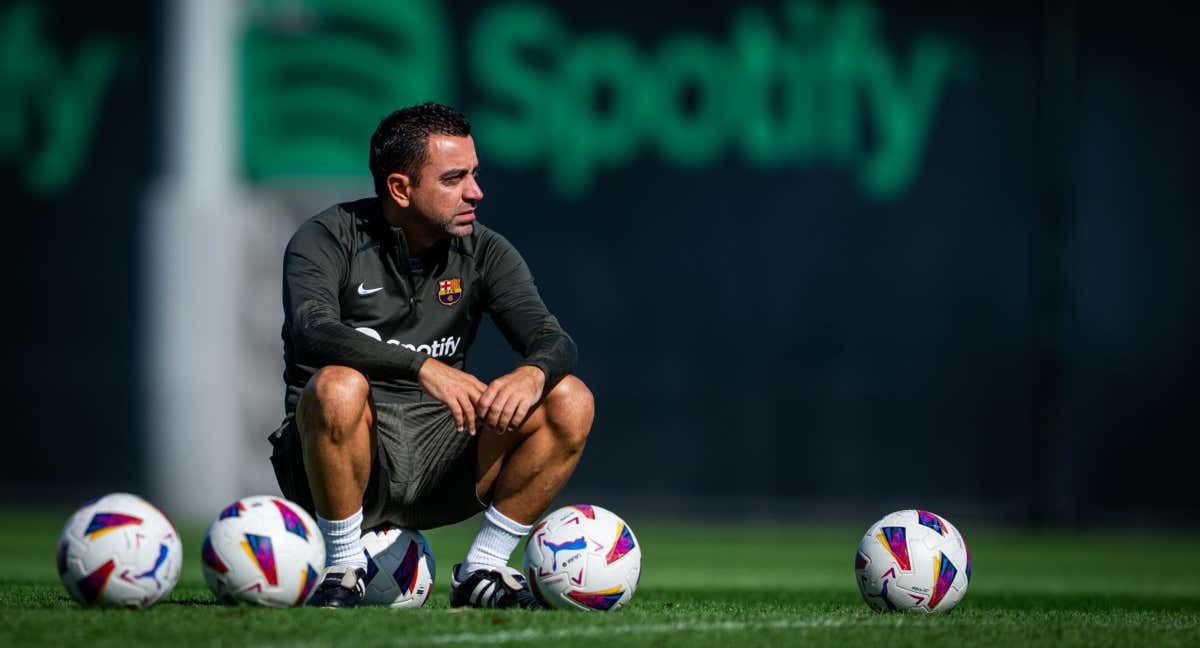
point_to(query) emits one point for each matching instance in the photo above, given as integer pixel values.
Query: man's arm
(548, 352)
(315, 266)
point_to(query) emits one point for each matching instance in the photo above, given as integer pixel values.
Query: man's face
(447, 193)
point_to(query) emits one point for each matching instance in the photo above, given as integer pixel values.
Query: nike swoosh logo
(363, 290)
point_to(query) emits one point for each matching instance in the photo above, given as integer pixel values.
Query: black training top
(353, 297)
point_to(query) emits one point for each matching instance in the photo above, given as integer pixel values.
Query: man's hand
(459, 390)
(508, 400)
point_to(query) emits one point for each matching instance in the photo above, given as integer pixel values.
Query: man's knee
(334, 400)
(336, 385)
(570, 409)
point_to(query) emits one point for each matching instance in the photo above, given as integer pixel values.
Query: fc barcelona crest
(449, 291)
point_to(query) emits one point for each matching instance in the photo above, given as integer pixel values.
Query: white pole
(192, 250)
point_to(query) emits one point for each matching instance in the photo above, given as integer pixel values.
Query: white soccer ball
(583, 557)
(913, 560)
(400, 567)
(263, 550)
(119, 551)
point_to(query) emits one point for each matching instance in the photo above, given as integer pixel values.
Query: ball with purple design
(119, 551)
(583, 557)
(263, 550)
(912, 560)
(400, 567)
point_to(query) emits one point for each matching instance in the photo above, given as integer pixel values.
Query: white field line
(537, 634)
(1149, 621)
(532, 634)
(896, 621)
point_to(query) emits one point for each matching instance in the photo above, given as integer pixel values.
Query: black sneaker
(341, 587)
(502, 587)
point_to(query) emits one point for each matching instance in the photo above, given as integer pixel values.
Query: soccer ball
(913, 560)
(264, 550)
(400, 567)
(583, 557)
(119, 551)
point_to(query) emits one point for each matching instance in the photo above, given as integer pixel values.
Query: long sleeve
(522, 317)
(315, 268)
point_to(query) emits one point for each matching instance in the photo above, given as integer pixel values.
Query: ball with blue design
(263, 550)
(400, 567)
(912, 560)
(583, 557)
(119, 551)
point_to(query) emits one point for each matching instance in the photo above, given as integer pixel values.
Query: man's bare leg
(335, 421)
(336, 426)
(524, 470)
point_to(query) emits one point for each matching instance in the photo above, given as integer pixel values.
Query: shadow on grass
(829, 600)
(1086, 602)
(39, 598)
(194, 601)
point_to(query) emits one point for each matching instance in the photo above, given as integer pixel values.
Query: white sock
(494, 544)
(343, 541)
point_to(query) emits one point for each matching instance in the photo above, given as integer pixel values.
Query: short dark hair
(401, 142)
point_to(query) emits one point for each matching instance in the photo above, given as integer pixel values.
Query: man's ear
(400, 188)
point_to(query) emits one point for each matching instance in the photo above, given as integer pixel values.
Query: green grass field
(702, 584)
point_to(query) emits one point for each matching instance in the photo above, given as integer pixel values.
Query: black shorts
(424, 470)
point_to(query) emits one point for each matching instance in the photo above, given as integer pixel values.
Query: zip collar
(393, 235)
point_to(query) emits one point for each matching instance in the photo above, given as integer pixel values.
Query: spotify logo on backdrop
(801, 83)
(318, 75)
(52, 90)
